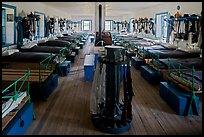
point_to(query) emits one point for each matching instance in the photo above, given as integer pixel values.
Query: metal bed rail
(22, 80)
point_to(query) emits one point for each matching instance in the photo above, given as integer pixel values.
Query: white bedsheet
(9, 52)
(13, 104)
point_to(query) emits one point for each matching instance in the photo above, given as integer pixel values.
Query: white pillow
(29, 45)
(52, 38)
(60, 35)
(9, 52)
(42, 41)
(147, 39)
(157, 41)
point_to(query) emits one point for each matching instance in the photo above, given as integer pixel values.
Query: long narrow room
(102, 68)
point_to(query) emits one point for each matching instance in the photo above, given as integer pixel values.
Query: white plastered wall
(171, 7)
(76, 18)
(89, 14)
(29, 7)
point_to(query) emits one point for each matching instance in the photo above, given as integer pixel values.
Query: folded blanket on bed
(175, 62)
(187, 79)
(31, 57)
(173, 54)
(57, 43)
(29, 46)
(44, 49)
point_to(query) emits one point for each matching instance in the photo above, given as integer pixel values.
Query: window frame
(90, 25)
(38, 23)
(14, 10)
(111, 25)
(3, 27)
(162, 14)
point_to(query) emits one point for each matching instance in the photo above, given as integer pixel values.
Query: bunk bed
(159, 56)
(185, 84)
(58, 43)
(140, 45)
(138, 50)
(62, 52)
(190, 80)
(56, 50)
(17, 109)
(127, 39)
(173, 53)
(55, 43)
(128, 42)
(170, 63)
(160, 60)
(41, 66)
(77, 40)
(68, 38)
(74, 38)
(188, 44)
(143, 50)
(71, 47)
(163, 67)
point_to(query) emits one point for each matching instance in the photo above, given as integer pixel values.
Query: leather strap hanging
(186, 22)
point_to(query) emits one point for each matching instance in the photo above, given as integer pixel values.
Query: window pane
(3, 27)
(86, 24)
(161, 25)
(165, 27)
(108, 25)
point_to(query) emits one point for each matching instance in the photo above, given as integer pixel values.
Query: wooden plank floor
(67, 110)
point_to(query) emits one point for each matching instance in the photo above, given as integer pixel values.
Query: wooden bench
(89, 67)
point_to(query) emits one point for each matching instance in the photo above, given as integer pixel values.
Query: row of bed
(159, 62)
(163, 56)
(32, 65)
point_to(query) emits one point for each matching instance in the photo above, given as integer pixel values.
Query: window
(164, 26)
(38, 29)
(131, 28)
(86, 25)
(40, 24)
(109, 25)
(8, 25)
(161, 25)
(3, 27)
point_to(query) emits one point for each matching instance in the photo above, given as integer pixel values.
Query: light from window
(165, 27)
(108, 25)
(86, 25)
(161, 26)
